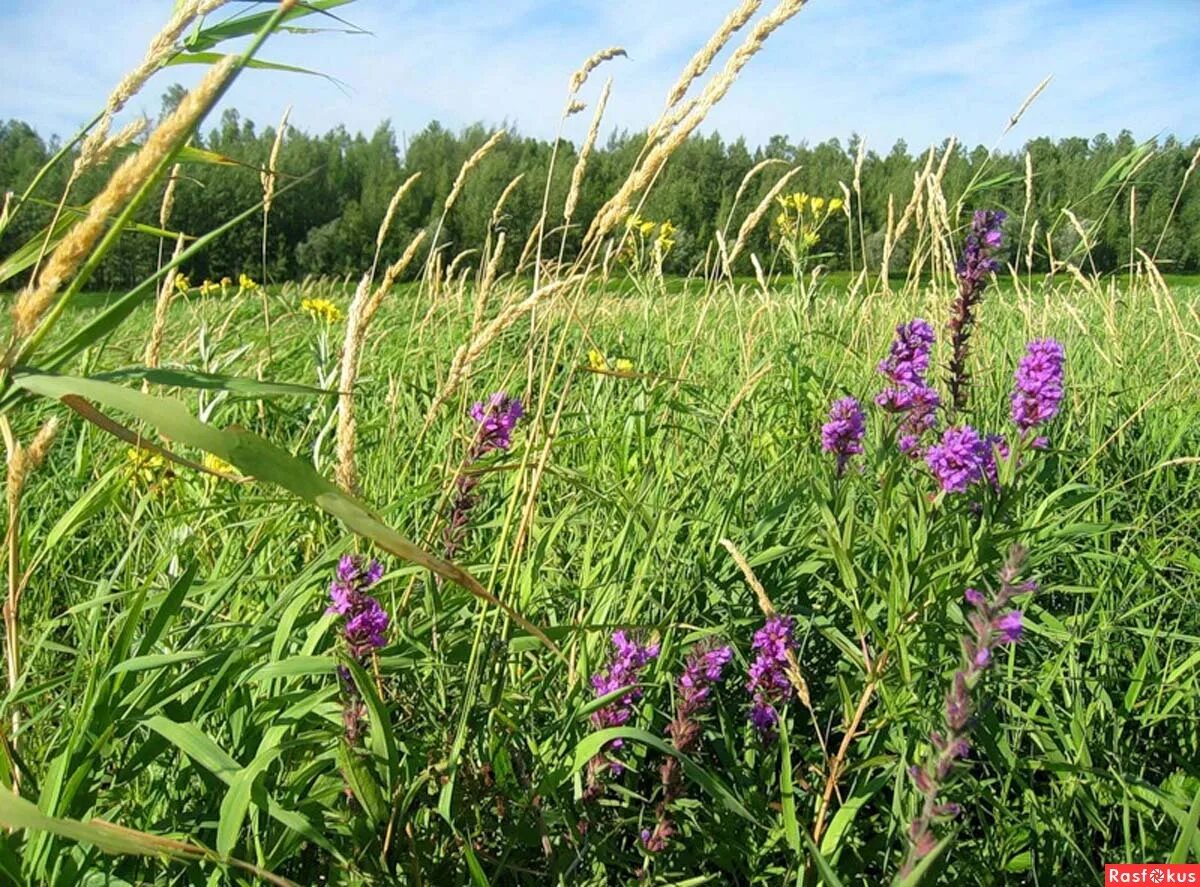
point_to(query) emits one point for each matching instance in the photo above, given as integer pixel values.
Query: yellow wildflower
(811, 238)
(246, 282)
(321, 309)
(225, 281)
(818, 204)
(623, 365)
(835, 204)
(207, 287)
(182, 283)
(596, 360)
(665, 240)
(646, 229)
(217, 464)
(148, 469)
(633, 220)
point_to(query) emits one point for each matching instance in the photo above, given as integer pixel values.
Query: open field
(609, 511)
(839, 538)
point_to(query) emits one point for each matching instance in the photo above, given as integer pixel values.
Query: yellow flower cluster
(800, 216)
(321, 309)
(597, 361)
(645, 229)
(148, 469)
(182, 283)
(218, 465)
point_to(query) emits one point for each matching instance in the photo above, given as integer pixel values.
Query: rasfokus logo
(1151, 873)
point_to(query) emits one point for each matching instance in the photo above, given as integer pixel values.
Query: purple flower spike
(497, 418)
(364, 630)
(768, 682)
(1039, 388)
(959, 460)
(703, 669)
(992, 624)
(908, 357)
(843, 433)
(366, 620)
(622, 673)
(977, 263)
(1010, 626)
(910, 396)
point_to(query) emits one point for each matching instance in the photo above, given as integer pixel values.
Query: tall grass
(178, 674)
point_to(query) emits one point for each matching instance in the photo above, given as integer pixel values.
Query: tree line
(334, 190)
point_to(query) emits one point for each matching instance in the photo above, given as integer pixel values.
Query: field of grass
(521, 567)
(179, 662)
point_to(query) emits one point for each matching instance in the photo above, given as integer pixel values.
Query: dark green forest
(326, 224)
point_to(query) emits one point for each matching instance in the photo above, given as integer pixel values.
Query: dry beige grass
(31, 305)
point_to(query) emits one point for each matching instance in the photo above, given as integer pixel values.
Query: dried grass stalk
(498, 209)
(580, 77)
(472, 162)
(618, 206)
(161, 48)
(585, 152)
(361, 312)
(168, 200)
(1029, 100)
(701, 61)
(33, 302)
(268, 175)
(752, 220)
(162, 305)
(386, 224)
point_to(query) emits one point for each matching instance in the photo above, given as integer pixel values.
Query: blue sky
(916, 69)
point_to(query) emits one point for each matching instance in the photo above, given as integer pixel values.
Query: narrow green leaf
(256, 457)
(591, 745)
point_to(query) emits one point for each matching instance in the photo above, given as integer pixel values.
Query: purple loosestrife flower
(769, 683)
(631, 656)
(693, 693)
(843, 433)
(993, 624)
(365, 620)
(1039, 388)
(910, 396)
(959, 460)
(496, 418)
(977, 263)
(908, 356)
(365, 624)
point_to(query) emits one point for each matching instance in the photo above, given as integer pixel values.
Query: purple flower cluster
(769, 683)
(496, 418)
(631, 657)
(366, 620)
(958, 461)
(843, 433)
(693, 693)
(964, 458)
(908, 357)
(977, 262)
(910, 396)
(1039, 388)
(993, 624)
(983, 240)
